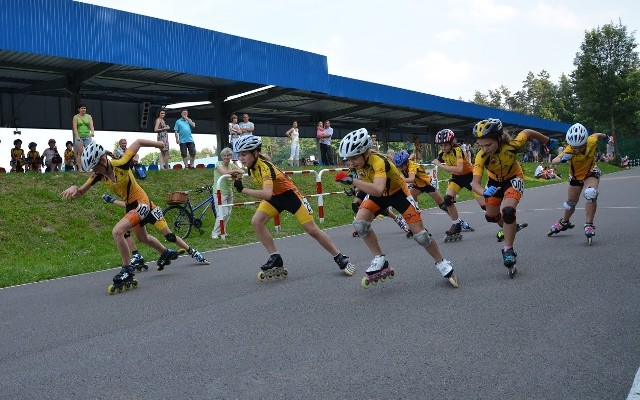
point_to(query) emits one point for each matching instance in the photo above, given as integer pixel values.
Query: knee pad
(591, 194)
(362, 227)
(355, 207)
(171, 237)
(423, 238)
(495, 219)
(127, 234)
(509, 215)
(448, 200)
(569, 205)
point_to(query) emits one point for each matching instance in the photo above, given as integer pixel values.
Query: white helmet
(91, 155)
(247, 143)
(577, 135)
(355, 143)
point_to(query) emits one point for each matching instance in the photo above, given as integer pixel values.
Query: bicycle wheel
(179, 220)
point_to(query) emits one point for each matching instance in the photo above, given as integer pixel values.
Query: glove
(238, 185)
(108, 199)
(553, 144)
(565, 158)
(490, 191)
(344, 178)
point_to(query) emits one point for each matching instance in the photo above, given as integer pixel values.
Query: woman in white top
(294, 135)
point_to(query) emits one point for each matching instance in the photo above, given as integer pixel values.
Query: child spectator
(69, 156)
(34, 162)
(51, 157)
(17, 157)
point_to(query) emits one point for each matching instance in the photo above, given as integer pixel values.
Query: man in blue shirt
(184, 139)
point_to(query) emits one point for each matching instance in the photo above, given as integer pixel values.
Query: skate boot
(589, 232)
(166, 258)
(519, 227)
(378, 271)
(403, 225)
(273, 268)
(509, 259)
(198, 256)
(453, 234)
(560, 227)
(446, 269)
(123, 280)
(137, 261)
(344, 264)
(466, 227)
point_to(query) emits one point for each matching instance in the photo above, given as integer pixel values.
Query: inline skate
(273, 268)
(500, 234)
(466, 227)
(589, 232)
(137, 261)
(344, 264)
(123, 280)
(198, 256)
(509, 259)
(560, 227)
(166, 258)
(378, 271)
(453, 234)
(446, 269)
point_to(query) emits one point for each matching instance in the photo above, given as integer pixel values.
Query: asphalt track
(567, 326)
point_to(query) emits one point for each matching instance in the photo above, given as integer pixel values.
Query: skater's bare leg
(591, 206)
(573, 196)
(371, 240)
(432, 248)
(259, 223)
(117, 233)
(509, 229)
(321, 237)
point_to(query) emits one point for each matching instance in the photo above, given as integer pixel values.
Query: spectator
(535, 150)
(51, 157)
(119, 151)
(223, 167)
(545, 153)
(418, 148)
(390, 154)
(17, 157)
(610, 147)
(246, 126)
(184, 139)
(162, 129)
(324, 137)
(294, 135)
(68, 156)
(83, 132)
(540, 172)
(234, 134)
(34, 162)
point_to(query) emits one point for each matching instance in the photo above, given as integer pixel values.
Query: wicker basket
(177, 197)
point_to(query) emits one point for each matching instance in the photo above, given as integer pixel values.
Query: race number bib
(306, 205)
(143, 210)
(157, 213)
(518, 184)
(413, 202)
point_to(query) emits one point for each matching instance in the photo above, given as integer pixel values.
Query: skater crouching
(506, 179)
(385, 186)
(580, 153)
(118, 176)
(278, 193)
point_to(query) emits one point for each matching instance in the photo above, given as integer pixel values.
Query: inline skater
(506, 179)
(580, 153)
(278, 193)
(453, 160)
(117, 175)
(385, 187)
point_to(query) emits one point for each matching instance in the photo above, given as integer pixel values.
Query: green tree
(601, 80)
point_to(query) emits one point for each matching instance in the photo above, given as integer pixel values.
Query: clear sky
(448, 48)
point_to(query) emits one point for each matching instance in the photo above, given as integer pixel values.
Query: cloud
(484, 15)
(555, 17)
(449, 36)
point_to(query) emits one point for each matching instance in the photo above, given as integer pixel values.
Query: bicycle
(180, 215)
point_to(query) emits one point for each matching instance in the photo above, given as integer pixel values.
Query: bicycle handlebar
(202, 189)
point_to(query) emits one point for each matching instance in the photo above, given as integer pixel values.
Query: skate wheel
(355, 234)
(261, 276)
(269, 274)
(512, 272)
(453, 281)
(391, 273)
(111, 290)
(589, 241)
(284, 273)
(119, 289)
(134, 283)
(550, 233)
(365, 282)
(127, 286)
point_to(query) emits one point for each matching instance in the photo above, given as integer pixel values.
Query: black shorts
(191, 146)
(425, 188)
(464, 181)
